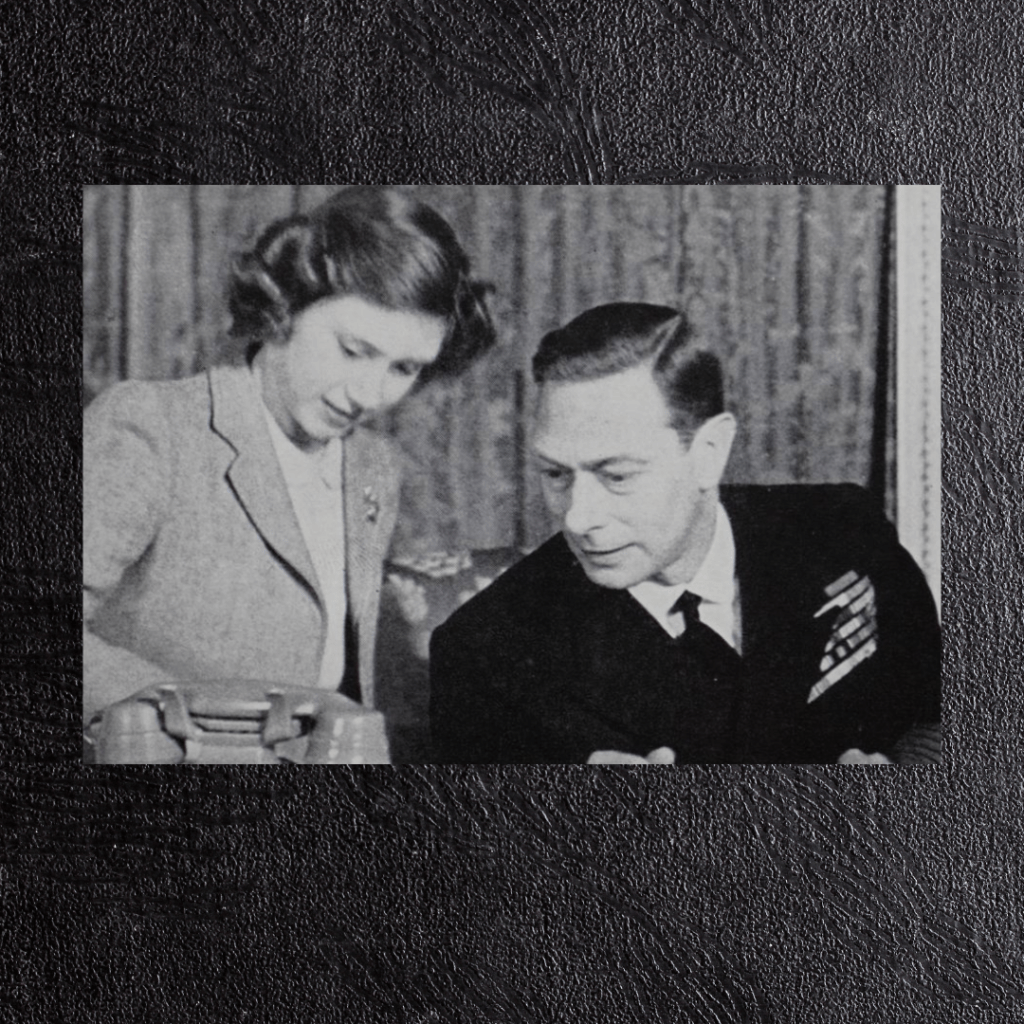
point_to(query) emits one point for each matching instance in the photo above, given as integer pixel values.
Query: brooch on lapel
(372, 504)
(854, 636)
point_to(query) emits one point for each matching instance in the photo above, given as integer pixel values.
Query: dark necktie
(714, 660)
(696, 708)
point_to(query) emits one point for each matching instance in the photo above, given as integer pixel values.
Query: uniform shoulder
(799, 520)
(799, 501)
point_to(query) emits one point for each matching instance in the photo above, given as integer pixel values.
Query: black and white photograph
(511, 474)
(567, 426)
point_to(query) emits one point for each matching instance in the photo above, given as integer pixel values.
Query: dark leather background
(492, 895)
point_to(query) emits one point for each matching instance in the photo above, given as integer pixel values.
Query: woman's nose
(365, 389)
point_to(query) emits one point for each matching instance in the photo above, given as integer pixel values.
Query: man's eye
(407, 369)
(351, 351)
(617, 479)
(555, 477)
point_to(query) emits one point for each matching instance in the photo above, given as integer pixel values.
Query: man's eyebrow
(597, 464)
(615, 460)
(544, 458)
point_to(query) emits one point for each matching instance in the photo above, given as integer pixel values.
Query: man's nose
(583, 510)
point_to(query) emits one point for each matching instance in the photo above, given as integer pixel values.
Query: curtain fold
(785, 282)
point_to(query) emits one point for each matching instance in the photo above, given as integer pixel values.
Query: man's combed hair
(379, 244)
(622, 335)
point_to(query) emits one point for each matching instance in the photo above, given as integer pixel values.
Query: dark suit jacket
(545, 666)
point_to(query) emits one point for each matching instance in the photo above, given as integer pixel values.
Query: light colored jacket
(194, 566)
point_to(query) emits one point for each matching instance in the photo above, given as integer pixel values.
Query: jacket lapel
(777, 602)
(363, 522)
(753, 575)
(782, 640)
(253, 470)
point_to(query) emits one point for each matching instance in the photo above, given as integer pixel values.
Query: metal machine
(236, 722)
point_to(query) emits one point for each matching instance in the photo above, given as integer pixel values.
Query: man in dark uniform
(672, 619)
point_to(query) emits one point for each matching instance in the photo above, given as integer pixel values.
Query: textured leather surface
(405, 895)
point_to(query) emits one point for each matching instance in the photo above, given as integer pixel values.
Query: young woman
(235, 523)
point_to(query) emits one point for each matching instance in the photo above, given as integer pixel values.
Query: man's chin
(610, 579)
(615, 573)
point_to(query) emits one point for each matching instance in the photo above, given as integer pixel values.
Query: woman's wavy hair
(377, 243)
(616, 337)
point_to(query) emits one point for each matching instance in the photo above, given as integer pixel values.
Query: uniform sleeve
(125, 492)
(492, 701)
(478, 714)
(920, 675)
(464, 722)
(911, 645)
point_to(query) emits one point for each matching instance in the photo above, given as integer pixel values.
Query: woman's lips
(340, 416)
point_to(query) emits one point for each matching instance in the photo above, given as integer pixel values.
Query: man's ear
(710, 449)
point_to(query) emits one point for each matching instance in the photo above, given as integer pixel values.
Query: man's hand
(663, 755)
(857, 756)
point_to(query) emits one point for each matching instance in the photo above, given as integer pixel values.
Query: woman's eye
(407, 369)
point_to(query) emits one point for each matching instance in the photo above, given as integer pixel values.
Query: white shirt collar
(714, 581)
(314, 484)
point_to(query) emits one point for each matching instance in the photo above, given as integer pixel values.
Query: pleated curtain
(790, 284)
